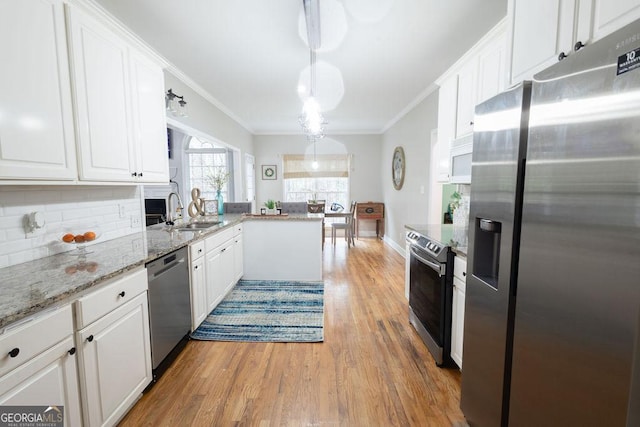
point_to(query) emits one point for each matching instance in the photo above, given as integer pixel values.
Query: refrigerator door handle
(440, 268)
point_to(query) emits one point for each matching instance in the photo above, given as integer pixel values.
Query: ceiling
(378, 57)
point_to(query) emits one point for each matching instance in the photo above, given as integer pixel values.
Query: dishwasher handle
(160, 266)
(166, 268)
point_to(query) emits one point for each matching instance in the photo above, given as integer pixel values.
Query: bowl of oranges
(81, 238)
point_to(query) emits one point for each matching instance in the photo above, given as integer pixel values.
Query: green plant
(270, 204)
(454, 201)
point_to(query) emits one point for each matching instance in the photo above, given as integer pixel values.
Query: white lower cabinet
(34, 372)
(197, 276)
(217, 263)
(238, 253)
(220, 273)
(457, 320)
(115, 349)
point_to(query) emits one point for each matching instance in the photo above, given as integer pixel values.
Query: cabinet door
(610, 16)
(541, 30)
(149, 122)
(49, 379)
(198, 293)
(492, 69)
(100, 73)
(466, 98)
(447, 101)
(457, 322)
(215, 280)
(238, 258)
(228, 272)
(36, 118)
(115, 362)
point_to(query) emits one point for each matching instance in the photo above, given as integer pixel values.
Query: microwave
(461, 152)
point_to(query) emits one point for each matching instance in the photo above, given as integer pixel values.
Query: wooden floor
(371, 370)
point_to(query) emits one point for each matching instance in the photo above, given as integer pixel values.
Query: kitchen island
(279, 247)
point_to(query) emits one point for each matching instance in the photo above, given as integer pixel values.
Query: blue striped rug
(267, 311)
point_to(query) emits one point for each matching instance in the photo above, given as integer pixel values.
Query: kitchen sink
(197, 226)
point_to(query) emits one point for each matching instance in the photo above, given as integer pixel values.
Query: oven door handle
(440, 268)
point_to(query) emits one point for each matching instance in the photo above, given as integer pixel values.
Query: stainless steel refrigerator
(552, 314)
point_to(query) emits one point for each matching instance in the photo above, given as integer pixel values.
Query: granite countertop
(33, 286)
(448, 234)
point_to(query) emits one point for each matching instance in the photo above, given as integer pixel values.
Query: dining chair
(237, 207)
(347, 226)
(315, 207)
(293, 207)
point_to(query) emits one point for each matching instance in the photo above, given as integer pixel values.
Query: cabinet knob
(90, 338)
(122, 294)
(72, 351)
(464, 273)
(471, 123)
(562, 56)
(195, 267)
(579, 45)
(140, 174)
(14, 352)
(134, 174)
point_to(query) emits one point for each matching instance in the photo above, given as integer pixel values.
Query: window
(329, 181)
(206, 160)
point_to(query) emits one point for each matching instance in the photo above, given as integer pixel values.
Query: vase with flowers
(217, 179)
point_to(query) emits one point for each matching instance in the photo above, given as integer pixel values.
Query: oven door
(430, 303)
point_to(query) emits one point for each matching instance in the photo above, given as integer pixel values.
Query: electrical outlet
(121, 211)
(135, 221)
(137, 245)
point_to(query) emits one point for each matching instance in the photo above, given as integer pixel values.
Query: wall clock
(397, 168)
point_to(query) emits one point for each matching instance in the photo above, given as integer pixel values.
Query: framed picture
(269, 172)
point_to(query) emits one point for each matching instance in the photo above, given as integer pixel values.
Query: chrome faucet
(171, 210)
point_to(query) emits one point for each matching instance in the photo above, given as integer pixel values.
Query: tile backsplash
(111, 211)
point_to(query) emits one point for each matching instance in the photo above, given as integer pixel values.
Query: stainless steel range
(431, 293)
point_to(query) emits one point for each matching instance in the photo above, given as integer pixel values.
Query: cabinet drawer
(196, 249)
(460, 268)
(32, 336)
(109, 297)
(219, 238)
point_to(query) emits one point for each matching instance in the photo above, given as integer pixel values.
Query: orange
(89, 236)
(68, 238)
(79, 238)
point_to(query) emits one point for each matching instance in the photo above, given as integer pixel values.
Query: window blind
(329, 166)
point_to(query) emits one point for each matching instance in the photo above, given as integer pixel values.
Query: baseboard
(394, 246)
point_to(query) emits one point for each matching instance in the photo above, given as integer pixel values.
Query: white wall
(365, 167)
(409, 205)
(66, 209)
(209, 120)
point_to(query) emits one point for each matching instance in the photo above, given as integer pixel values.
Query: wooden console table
(371, 210)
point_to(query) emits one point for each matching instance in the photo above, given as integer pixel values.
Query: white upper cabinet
(480, 74)
(119, 105)
(541, 31)
(609, 16)
(546, 31)
(99, 64)
(447, 101)
(36, 118)
(492, 68)
(149, 120)
(467, 96)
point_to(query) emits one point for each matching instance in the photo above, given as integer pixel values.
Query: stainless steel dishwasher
(169, 308)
